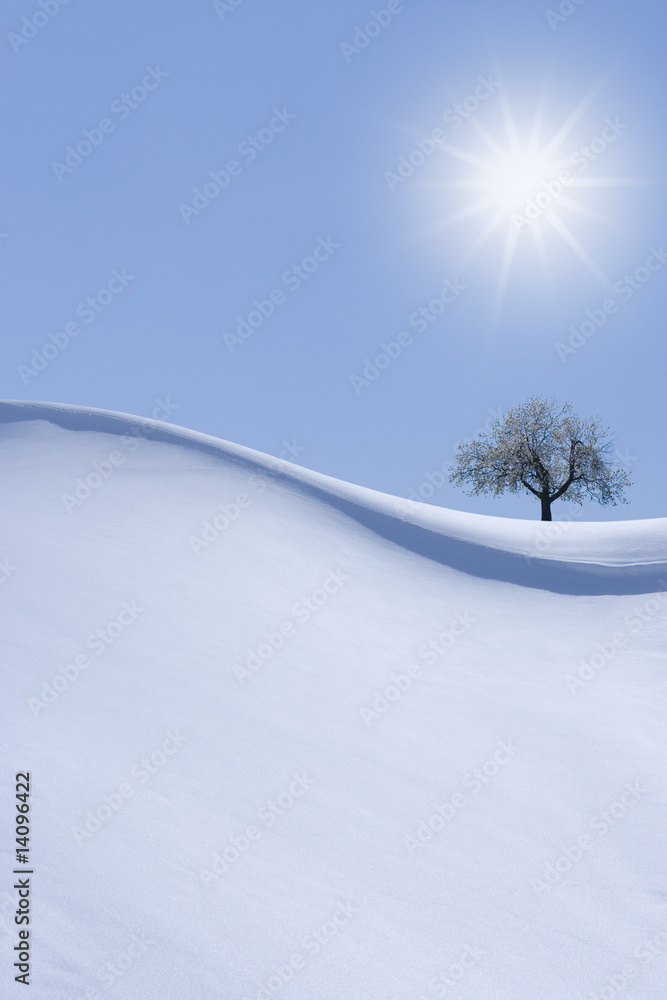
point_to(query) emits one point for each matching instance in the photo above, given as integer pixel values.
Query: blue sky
(257, 197)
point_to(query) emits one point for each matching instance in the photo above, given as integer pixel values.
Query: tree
(543, 449)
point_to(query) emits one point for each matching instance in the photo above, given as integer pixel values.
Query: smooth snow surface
(294, 738)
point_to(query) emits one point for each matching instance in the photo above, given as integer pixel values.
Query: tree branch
(529, 487)
(571, 476)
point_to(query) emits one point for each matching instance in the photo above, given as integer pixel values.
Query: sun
(530, 185)
(516, 177)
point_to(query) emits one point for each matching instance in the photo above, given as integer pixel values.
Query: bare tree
(544, 449)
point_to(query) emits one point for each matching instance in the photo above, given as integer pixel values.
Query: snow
(266, 735)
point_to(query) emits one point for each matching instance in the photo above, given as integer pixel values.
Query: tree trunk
(546, 508)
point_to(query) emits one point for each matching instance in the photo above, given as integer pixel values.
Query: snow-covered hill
(293, 738)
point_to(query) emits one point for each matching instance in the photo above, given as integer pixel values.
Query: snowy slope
(293, 738)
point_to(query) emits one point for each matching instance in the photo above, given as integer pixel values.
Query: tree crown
(542, 448)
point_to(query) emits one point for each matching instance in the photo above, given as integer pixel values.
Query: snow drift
(294, 738)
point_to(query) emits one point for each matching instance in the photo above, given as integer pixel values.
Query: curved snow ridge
(567, 557)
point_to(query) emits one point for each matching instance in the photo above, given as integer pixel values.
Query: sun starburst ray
(488, 139)
(540, 243)
(468, 157)
(538, 122)
(505, 269)
(590, 213)
(559, 137)
(529, 180)
(510, 125)
(593, 182)
(574, 244)
(483, 237)
(465, 213)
